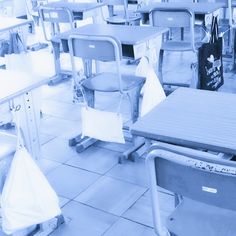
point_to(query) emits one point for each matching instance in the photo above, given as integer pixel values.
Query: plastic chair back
(55, 16)
(95, 48)
(98, 48)
(169, 18)
(199, 176)
(174, 18)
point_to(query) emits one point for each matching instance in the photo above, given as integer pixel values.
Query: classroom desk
(135, 40)
(18, 85)
(192, 118)
(200, 9)
(10, 23)
(81, 10)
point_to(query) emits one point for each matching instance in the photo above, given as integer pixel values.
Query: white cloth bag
(153, 92)
(27, 197)
(102, 125)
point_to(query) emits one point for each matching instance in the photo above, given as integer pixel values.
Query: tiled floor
(98, 196)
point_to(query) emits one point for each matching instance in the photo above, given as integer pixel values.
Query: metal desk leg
(29, 123)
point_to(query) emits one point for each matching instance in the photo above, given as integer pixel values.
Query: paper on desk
(102, 125)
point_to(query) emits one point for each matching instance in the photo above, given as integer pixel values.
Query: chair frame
(115, 57)
(232, 29)
(127, 19)
(163, 150)
(53, 20)
(192, 39)
(117, 49)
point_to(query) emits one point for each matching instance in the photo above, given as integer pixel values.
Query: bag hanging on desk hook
(16, 44)
(27, 197)
(102, 125)
(210, 60)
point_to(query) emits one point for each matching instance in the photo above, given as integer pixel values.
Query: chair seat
(195, 219)
(8, 145)
(108, 82)
(176, 46)
(120, 19)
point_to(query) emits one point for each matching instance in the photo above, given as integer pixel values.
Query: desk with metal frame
(10, 23)
(135, 41)
(81, 10)
(19, 85)
(192, 118)
(200, 9)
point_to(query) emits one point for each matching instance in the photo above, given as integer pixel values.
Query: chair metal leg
(182, 33)
(134, 101)
(89, 95)
(160, 65)
(137, 143)
(80, 142)
(195, 78)
(233, 48)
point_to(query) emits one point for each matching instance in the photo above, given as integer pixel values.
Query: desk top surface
(75, 6)
(196, 8)
(193, 118)
(14, 84)
(126, 34)
(8, 23)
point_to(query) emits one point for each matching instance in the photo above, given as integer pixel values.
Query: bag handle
(20, 135)
(214, 30)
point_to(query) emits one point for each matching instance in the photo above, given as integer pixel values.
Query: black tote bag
(210, 61)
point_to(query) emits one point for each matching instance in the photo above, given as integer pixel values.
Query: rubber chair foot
(84, 144)
(73, 141)
(58, 79)
(120, 160)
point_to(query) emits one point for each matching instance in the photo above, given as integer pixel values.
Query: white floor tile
(111, 195)
(125, 227)
(84, 221)
(69, 182)
(95, 159)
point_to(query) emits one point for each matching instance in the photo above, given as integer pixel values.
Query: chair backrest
(55, 16)
(98, 48)
(199, 176)
(112, 3)
(174, 18)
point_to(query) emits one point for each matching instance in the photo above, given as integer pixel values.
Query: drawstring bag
(102, 125)
(153, 92)
(27, 197)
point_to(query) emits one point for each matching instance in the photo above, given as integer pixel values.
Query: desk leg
(29, 123)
